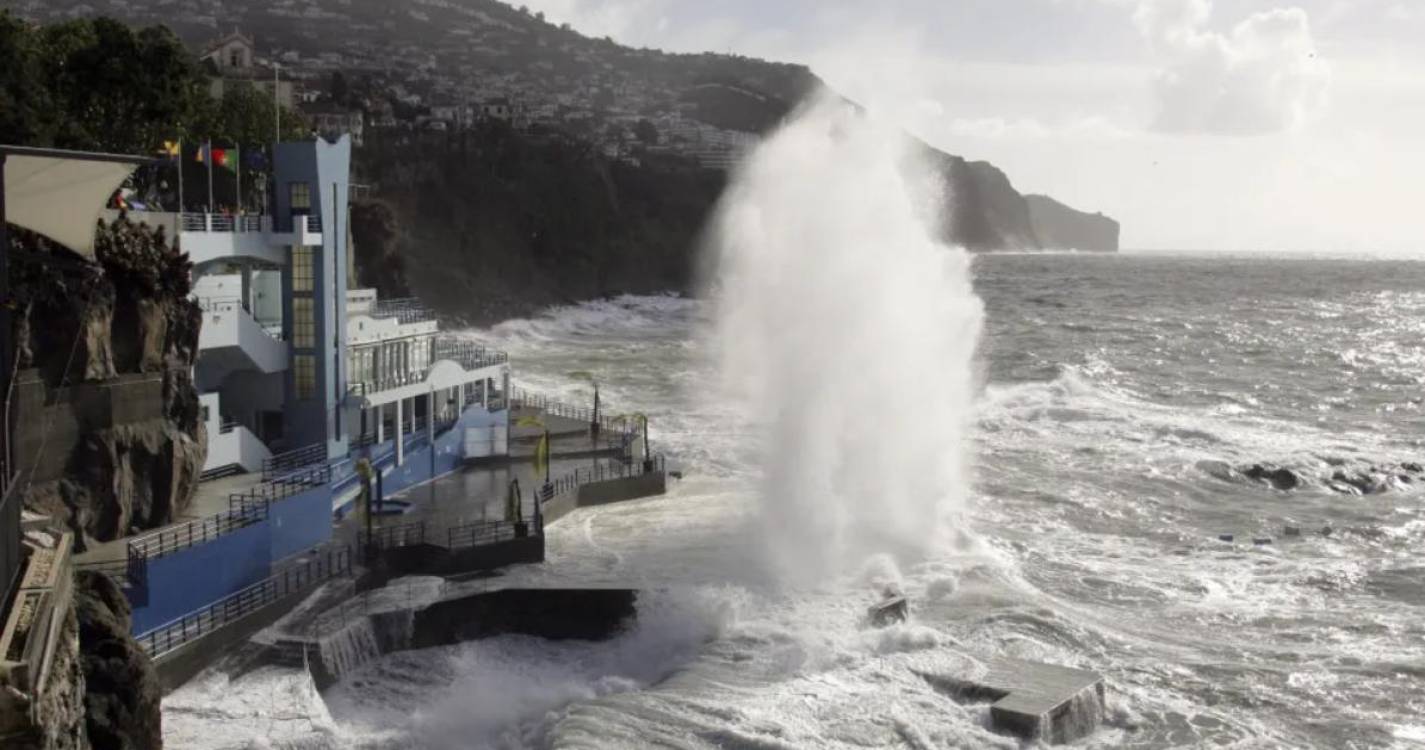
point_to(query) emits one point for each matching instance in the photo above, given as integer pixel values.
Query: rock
(1291, 531)
(1360, 483)
(122, 690)
(1261, 541)
(1413, 467)
(893, 609)
(107, 417)
(1278, 478)
(1225, 537)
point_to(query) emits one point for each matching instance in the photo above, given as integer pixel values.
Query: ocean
(1119, 405)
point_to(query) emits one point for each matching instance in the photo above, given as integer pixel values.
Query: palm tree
(541, 450)
(589, 377)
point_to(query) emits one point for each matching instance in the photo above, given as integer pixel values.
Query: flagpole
(179, 162)
(238, 150)
(208, 156)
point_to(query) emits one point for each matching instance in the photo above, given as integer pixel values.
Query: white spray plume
(847, 332)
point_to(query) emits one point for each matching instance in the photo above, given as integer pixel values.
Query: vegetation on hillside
(99, 85)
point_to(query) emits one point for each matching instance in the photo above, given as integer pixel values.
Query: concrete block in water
(1032, 700)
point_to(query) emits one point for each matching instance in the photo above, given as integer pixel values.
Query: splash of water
(846, 332)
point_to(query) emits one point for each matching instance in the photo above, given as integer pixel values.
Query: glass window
(300, 196)
(304, 324)
(303, 275)
(304, 371)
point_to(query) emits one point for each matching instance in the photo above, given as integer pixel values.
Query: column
(485, 393)
(380, 424)
(247, 286)
(400, 436)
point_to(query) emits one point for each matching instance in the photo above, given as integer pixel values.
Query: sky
(1281, 125)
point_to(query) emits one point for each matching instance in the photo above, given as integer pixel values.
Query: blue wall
(198, 576)
(192, 578)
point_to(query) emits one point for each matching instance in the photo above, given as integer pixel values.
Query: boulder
(122, 690)
(1278, 477)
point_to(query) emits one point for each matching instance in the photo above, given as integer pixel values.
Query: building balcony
(211, 237)
(231, 339)
(454, 363)
(235, 445)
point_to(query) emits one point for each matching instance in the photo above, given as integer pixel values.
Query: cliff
(108, 433)
(1059, 227)
(122, 692)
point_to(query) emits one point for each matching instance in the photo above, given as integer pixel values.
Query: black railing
(194, 625)
(468, 354)
(284, 463)
(481, 533)
(389, 537)
(169, 540)
(520, 397)
(603, 471)
(280, 488)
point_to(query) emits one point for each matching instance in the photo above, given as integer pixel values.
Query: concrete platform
(1034, 701)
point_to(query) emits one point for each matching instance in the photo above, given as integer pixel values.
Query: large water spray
(846, 331)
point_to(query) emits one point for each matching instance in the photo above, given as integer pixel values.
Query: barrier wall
(194, 577)
(300, 522)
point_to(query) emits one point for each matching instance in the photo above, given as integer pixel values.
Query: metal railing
(165, 638)
(289, 461)
(115, 569)
(520, 397)
(603, 471)
(169, 540)
(280, 488)
(219, 304)
(405, 310)
(481, 533)
(390, 537)
(468, 355)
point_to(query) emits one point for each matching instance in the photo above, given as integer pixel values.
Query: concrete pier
(1031, 700)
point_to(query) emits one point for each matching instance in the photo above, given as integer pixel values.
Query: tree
(27, 113)
(340, 90)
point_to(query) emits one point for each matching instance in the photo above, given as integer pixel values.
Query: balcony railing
(172, 539)
(468, 355)
(293, 460)
(231, 223)
(406, 311)
(280, 488)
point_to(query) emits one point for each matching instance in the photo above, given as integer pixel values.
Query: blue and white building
(300, 378)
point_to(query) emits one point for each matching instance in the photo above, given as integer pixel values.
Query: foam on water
(845, 332)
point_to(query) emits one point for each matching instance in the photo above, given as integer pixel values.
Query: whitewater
(1111, 408)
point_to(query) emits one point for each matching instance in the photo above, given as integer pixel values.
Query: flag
(254, 160)
(171, 149)
(223, 158)
(202, 154)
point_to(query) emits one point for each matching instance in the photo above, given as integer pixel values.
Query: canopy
(60, 193)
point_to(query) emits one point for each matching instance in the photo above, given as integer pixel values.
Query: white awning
(60, 194)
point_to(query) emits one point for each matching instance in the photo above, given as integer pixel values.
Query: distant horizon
(1298, 124)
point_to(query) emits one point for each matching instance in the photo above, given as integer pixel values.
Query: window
(303, 273)
(304, 372)
(235, 58)
(299, 196)
(205, 414)
(304, 325)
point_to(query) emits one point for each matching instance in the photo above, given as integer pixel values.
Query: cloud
(1262, 76)
(620, 19)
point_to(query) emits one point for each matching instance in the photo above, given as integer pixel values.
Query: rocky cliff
(1059, 227)
(109, 437)
(122, 691)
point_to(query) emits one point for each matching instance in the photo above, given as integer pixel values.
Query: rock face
(122, 691)
(61, 704)
(1059, 227)
(109, 435)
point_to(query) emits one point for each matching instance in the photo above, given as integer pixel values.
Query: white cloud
(1263, 76)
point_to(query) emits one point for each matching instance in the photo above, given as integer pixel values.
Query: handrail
(389, 537)
(481, 533)
(169, 540)
(293, 460)
(405, 310)
(281, 488)
(468, 355)
(528, 399)
(200, 622)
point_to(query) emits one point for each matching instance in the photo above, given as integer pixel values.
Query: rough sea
(1122, 403)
